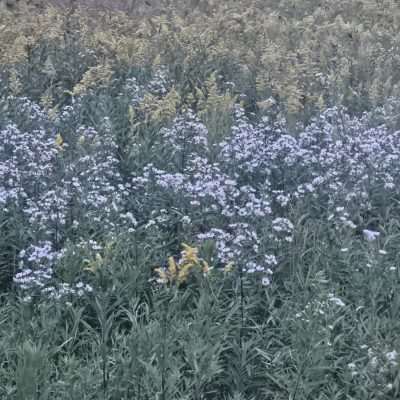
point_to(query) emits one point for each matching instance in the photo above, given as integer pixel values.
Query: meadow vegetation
(200, 201)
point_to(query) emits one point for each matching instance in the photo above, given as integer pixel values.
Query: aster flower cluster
(36, 276)
(246, 186)
(61, 185)
(65, 180)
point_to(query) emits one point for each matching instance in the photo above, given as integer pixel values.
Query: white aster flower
(392, 357)
(266, 281)
(370, 236)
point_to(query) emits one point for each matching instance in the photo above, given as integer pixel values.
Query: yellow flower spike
(182, 276)
(229, 267)
(172, 269)
(59, 141)
(190, 253)
(184, 272)
(178, 272)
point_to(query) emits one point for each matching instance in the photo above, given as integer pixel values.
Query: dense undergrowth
(200, 205)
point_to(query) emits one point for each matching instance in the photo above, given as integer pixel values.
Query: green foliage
(321, 333)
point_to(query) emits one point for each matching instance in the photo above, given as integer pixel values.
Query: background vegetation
(262, 133)
(305, 55)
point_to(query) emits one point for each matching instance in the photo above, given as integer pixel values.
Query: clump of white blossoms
(66, 180)
(370, 236)
(392, 357)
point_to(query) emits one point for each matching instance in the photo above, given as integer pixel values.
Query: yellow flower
(59, 141)
(179, 272)
(190, 254)
(228, 267)
(184, 273)
(172, 267)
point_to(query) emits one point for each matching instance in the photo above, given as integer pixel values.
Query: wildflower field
(200, 201)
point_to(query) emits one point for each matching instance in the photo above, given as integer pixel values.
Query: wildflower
(350, 224)
(352, 367)
(178, 272)
(392, 357)
(186, 220)
(370, 236)
(229, 267)
(266, 281)
(336, 300)
(189, 254)
(88, 288)
(59, 141)
(172, 269)
(183, 273)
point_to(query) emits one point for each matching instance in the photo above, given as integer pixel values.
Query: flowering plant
(180, 272)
